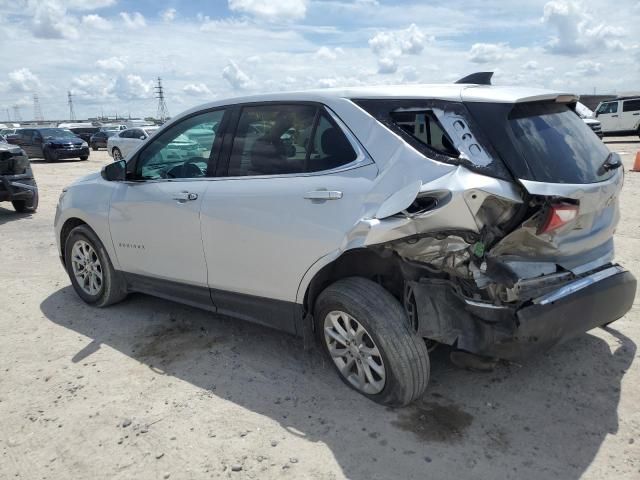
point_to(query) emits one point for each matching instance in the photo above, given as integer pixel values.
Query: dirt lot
(151, 389)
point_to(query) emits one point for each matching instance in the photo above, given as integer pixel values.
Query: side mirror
(143, 137)
(114, 172)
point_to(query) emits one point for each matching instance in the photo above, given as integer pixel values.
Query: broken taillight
(558, 215)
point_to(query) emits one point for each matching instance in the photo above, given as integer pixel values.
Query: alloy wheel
(87, 268)
(354, 352)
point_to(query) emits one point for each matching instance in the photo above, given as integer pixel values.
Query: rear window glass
(545, 142)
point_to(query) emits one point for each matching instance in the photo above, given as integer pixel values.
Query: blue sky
(108, 52)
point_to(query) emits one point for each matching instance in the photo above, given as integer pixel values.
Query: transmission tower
(72, 114)
(163, 112)
(16, 113)
(37, 109)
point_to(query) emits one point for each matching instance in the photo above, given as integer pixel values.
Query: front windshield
(57, 132)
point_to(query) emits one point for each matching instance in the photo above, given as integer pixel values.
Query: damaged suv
(17, 183)
(382, 220)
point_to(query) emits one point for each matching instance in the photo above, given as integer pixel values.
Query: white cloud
(235, 76)
(51, 20)
(113, 64)
(96, 21)
(132, 87)
(589, 67)
(271, 10)
(326, 53)
(23, 80)
(489, 52)
(531, 65)
(390, 45)
(576, 30)
(197, 90)
(168, 15)
(133, 20)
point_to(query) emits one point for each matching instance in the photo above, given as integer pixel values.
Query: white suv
(382, 220)
(620, 116)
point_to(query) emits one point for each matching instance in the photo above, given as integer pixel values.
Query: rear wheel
(26, 206)
(364, 331)
(84, 157)
(90, 270)
(117, 154)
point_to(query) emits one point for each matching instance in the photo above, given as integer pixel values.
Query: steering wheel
(188, 169)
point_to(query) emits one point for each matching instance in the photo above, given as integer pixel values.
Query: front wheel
(84, 157)
(90, 270)
(365, 332)
(117, 154)
(49, 156)
(26, 206)
(94, 147)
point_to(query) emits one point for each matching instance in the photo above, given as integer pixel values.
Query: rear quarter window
(631, 105)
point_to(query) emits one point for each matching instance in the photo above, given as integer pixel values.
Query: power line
(163, 111)
(37, 109)
(72, 114)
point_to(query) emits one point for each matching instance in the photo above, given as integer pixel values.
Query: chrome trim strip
(578, 285)
(491, 306)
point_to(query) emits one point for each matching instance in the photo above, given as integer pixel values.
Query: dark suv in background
(50, 143)
(99, 139)
(84, 133)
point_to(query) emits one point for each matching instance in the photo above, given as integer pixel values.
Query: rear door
(630, 117)
(295, 182)
(609, 116)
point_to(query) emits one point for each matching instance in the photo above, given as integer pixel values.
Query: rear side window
(424, 127)
(631, 105)
(287, 139)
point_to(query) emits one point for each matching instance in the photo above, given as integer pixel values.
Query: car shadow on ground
(621, 141)
(544, 419)
(8, 214)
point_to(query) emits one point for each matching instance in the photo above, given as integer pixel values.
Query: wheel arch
(358, 262)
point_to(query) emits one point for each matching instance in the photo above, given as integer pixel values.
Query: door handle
(323, 195)
(635, 114)
(614, 115)
(185, 196)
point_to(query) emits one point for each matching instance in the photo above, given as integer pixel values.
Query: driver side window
(182, 151)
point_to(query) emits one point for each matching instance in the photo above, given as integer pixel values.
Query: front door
(288, 197)
(155, 216)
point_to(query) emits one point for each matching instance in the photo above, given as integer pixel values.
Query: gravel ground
(150, 389)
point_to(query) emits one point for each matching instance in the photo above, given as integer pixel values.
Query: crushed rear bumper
(515, 333)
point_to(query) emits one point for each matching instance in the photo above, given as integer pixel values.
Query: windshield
(543, 141)
(57, 132)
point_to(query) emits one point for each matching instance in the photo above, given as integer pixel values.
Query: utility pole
(163, 111)
(8, 115)
(37, 109)
(72, 114)
(16, 113)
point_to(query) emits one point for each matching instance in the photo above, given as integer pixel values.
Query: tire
(26, 206)
(112, 287)
(116, 154)
(404, 355)
(94, 148)
(48, 156)
(84, 157)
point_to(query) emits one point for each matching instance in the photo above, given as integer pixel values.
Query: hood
(87, 178)
(591, 121)
(63, 141)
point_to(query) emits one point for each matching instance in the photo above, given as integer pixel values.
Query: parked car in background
(17, 183)
(8, 131)
(85, 132)
(50, 143)
(620, 116)
(587, 117)
(470, 215)
(99, 139)
(125, 141)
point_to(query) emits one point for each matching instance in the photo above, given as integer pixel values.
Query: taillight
(558, 215)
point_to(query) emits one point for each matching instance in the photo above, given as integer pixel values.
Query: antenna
(72, 114)
(163, 111)
(16, 113)
(37, 109)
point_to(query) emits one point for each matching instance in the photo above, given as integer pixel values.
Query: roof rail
(478, 78)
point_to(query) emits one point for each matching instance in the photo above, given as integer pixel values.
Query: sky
(109, 53)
